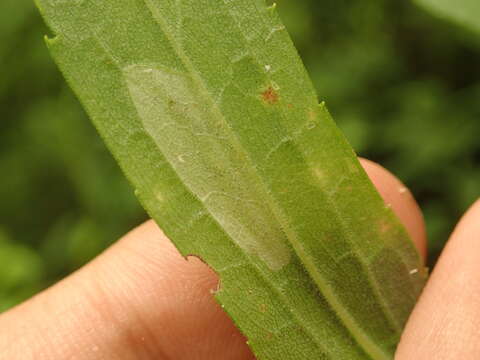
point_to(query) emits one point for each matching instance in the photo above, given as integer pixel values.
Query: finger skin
(445, 324)
(139, 300)
(395, 193)
(142, 300)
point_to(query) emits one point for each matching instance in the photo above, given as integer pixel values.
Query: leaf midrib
(375, 286)
(369, 346)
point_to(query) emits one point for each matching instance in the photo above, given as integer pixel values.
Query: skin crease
(141, 300)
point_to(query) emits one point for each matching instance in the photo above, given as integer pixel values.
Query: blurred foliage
(63, 198)
(464, 12)
(403, 85)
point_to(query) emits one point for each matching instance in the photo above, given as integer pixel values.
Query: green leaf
(463, 12)
(210, 113)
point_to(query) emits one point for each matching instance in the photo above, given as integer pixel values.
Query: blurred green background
(403, 85)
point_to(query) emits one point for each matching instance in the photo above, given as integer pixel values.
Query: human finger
(445, 324)
(141, 300)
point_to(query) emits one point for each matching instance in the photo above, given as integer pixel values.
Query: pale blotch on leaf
(196, 123)
(320, 174)
(159, 196)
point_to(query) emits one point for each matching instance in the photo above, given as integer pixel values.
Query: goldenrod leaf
(210, 113)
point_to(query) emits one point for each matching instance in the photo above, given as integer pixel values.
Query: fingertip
(395, 193)
(172, 298)
(446, 321)
(470, 221)
(139, 299)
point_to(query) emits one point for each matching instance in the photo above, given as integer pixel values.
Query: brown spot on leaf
(270, 96)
